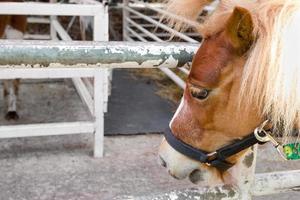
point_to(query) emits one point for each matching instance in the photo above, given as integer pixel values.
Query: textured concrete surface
(61, 167)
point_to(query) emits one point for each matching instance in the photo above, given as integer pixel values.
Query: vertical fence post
(53, 33)
(101, 33)
(105, 37)
(100, 82)
(99, 78)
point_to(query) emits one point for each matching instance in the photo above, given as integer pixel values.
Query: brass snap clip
(264, 136)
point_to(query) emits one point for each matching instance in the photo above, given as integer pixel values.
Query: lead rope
(265, 136)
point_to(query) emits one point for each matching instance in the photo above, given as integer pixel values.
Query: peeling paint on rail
(38, 54)
(225, 192)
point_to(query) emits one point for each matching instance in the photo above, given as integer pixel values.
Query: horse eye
(202, 94)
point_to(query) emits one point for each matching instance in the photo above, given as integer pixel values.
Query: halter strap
(218, 158)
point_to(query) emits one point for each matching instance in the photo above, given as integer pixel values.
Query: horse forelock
(271, 75)
(271, 78)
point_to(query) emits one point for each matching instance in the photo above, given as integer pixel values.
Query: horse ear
(240, 29)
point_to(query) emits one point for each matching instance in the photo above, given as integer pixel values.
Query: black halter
(218, 158)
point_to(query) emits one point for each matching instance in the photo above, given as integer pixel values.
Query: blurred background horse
(12, 27)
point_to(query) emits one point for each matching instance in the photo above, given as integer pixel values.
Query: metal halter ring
(260, 130)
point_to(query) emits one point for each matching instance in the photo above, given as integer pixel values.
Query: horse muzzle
(178, 165)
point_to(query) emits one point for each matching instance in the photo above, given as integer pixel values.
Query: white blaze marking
(177, 111)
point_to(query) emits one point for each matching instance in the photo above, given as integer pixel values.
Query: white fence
(95, 98)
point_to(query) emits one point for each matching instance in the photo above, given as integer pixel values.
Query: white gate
(94, 95)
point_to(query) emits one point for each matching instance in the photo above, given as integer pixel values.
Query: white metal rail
(264, 184)
(11, 8)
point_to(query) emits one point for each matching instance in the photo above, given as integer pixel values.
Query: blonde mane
(271, 76)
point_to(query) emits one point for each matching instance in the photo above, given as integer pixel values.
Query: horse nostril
(162, 162)
(196, 176)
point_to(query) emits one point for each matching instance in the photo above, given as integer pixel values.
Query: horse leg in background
(11, 90)
(11, 87)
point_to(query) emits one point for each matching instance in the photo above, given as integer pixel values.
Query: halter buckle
(211, 156)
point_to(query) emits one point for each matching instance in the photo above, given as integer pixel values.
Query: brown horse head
(207, 117)
(237, 45)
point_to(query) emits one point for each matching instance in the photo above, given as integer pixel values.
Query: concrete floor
(61, 167)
